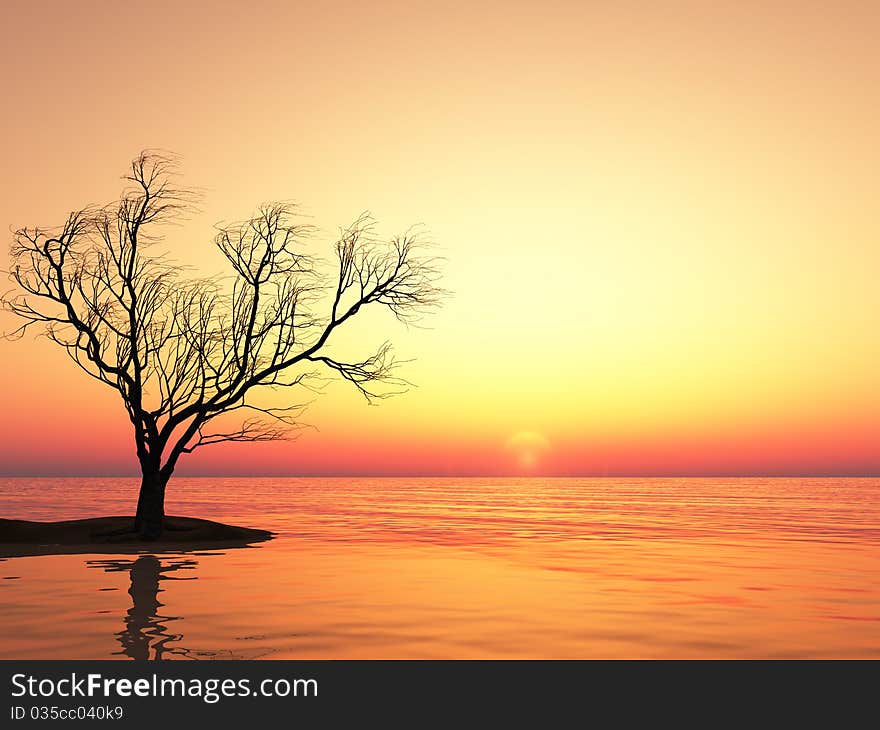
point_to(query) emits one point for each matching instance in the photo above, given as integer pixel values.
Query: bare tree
(184, 352)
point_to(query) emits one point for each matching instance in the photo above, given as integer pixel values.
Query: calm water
(462, 568)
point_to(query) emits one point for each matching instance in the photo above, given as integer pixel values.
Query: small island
(20, 538)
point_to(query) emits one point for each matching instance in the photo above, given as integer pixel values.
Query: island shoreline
(20, 538)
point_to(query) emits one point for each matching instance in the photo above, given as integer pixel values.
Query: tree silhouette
(184, 352)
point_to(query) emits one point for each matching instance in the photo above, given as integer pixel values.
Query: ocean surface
(461, 568)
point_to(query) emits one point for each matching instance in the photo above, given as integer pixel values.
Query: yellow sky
(660, 219)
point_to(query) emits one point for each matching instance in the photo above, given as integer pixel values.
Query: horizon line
(787, 475)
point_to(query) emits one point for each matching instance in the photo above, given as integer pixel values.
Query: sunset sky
(660, 220)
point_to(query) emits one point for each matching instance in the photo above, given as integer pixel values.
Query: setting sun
(528, 447)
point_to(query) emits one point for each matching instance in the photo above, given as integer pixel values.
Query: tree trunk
(150, 514)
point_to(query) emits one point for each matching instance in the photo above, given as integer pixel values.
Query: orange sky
(660, 219)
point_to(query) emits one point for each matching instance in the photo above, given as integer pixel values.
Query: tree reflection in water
(146, 630)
